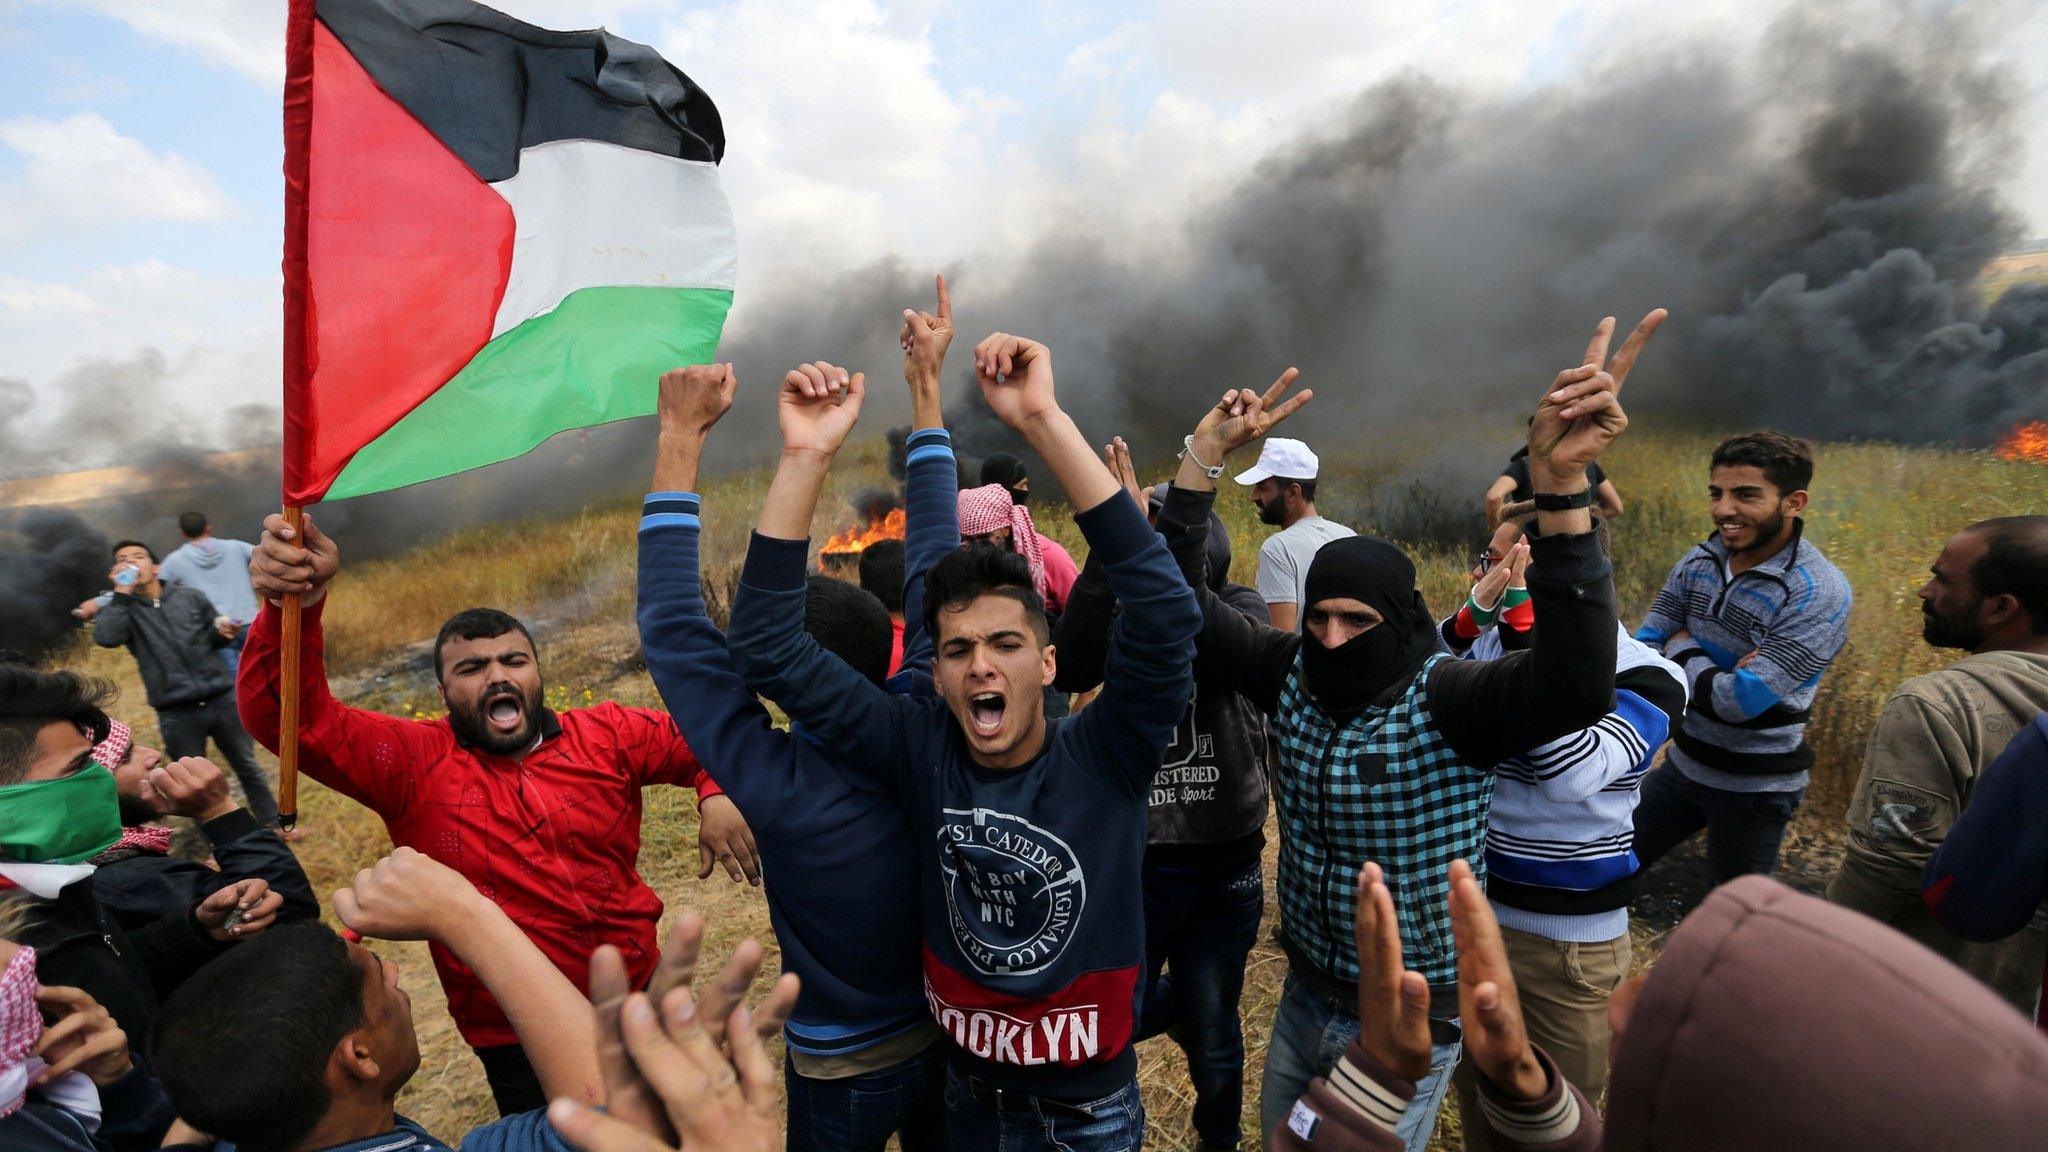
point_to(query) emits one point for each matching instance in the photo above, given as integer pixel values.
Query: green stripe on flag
(594, 359)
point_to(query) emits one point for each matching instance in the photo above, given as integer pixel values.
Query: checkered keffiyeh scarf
(110, 751)
(990, 508)
(21, 1025)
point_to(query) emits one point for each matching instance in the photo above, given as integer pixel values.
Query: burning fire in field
(881, 515)
(2027, 441)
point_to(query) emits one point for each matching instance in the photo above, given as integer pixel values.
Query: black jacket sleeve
(1081, 635)
(247, 849)
(1253, 659)
(1490, 710)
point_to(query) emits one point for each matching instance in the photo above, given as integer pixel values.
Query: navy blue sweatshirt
(1030, 877)
(838, 861)
(1990, 874)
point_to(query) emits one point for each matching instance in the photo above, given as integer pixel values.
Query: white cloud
(80, 170)
(245, 35)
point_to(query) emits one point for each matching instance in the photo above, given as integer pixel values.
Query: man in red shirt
(540, 810)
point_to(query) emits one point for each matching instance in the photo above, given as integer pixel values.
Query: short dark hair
(115, 551)
(881, 572)
(1787, 461)
(30, 699)
(850, 623)
(983, 569)
(477, 624)
(2015, 563)
(192, 525)
(1308, 487)
(242, 1047)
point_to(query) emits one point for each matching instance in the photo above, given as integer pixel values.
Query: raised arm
(732, 735)
(816, 409)
(410, 896)
(347, 749)
(1494, 709)
(931, 516)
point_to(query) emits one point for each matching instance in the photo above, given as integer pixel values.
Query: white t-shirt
(1284, 559)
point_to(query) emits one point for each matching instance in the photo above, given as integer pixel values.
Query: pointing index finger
(1596, 351)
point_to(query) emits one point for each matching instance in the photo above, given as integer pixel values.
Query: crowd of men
(982, 903)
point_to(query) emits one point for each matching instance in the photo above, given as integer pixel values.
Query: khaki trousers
(1564, 990)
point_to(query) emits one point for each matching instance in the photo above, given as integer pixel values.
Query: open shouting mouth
(986, 710)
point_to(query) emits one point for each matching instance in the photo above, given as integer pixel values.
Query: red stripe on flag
(406, 254)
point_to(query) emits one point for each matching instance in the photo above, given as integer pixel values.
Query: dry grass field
(1880, 512)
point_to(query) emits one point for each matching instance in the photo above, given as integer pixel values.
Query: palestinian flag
(493, 233)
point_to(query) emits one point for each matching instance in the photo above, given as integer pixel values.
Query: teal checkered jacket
(1408, 784)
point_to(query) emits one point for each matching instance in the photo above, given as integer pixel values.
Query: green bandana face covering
(63, 821)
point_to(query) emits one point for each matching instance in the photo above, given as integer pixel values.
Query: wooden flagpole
(288, 693)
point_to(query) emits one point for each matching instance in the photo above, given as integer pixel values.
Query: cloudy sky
(140, 201)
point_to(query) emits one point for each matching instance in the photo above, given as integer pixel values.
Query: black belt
(1005, 1100)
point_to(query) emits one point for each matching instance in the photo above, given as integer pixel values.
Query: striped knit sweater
(1760, 640)
(1560, 839)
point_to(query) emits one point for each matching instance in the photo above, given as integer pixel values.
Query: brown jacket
(1771, 1020)
(1936, 734)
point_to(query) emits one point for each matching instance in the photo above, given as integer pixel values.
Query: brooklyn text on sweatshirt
(1030, 877)
(837, 848)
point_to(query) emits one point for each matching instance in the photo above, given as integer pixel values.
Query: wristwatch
(1563, 501)
(1187, 450)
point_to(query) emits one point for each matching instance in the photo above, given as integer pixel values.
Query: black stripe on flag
(487, 85)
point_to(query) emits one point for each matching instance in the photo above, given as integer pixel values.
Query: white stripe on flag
(587, 214)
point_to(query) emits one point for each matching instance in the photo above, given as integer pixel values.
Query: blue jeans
(860, 1113)
(1310, 1036)
(1744, 829)
(1200, 924)
(1115, 1123)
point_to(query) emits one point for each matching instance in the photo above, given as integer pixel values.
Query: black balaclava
(1347, 679)
(1218, 545)
(1006, 469)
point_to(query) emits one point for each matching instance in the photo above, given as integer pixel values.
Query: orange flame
(855, 540)
(2027, 441)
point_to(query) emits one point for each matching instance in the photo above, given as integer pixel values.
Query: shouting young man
(1030, 832)
(539, 809)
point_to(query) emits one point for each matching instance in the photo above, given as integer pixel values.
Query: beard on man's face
(134, 812)
(473, 724)
(1271, 511)
(1957, 630)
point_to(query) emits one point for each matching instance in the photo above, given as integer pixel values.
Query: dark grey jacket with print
(174, 642)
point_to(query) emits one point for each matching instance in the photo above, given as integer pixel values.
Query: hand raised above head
(1243, 415)
(291, 560)
(925, 336)
(692, 399)
(1580, 413)
(817, 407)
(1015, 374)
(1116, 456)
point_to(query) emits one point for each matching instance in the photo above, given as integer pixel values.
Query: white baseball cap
(1281, 457)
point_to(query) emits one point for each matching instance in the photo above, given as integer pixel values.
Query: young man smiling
(539, 809)
(1030, 833)
(1754, 614)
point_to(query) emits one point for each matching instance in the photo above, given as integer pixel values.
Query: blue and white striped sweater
(1746, 725)
(1560, 840)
